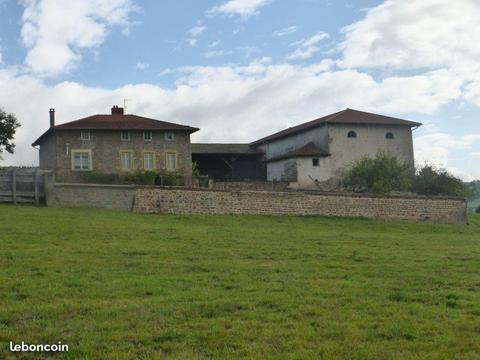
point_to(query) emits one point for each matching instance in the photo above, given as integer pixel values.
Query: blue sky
(241, 69)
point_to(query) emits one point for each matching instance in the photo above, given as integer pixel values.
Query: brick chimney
(52, 118)
(117, 110)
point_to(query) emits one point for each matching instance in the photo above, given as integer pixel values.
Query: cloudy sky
(242, 69)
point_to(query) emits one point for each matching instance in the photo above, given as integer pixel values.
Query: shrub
(168, 178)
(380, 175)
(140, 177)
(477, 210)
(95, 177)
(432, 181)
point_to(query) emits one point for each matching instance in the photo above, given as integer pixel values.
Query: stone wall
(115, 197)
(197, 201)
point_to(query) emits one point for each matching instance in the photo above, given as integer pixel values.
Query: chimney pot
(52, 118)
(117, 110)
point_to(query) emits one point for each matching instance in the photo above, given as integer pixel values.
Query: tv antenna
(125, 105)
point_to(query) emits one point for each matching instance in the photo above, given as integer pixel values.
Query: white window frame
(128, 137)
(130, 152)
(167, 135)
(81, 151)
(153, 160)
(150, 137)
(82, 133)
(167, 162)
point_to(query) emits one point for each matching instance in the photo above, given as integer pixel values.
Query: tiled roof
(224, 149)
(309, 150)
(347, 116)
(117, 122)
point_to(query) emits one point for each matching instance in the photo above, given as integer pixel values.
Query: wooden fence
(22, 185)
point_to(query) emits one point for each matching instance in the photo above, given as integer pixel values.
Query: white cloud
(141, 66)
(307, 47)
(419, 35)
(216, 53)
(285, 31)
(192, 41)
(56, 31)
(436, 149)
(214, 44)
(243, 8)
(197, 30)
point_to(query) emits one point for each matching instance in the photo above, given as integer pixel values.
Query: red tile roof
(117, 122)
(309, 150)
(347, 116)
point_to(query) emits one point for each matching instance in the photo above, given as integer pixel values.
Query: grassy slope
(120, 285)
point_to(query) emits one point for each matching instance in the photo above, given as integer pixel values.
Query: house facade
(113, 144)
(313, 152)
(319, 150)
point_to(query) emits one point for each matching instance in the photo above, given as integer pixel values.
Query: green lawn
(128, 286)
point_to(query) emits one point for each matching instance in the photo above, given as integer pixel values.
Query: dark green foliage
(8, 127)
(431, 181)
(95, 177)
(477, 210)
(385, 173)
(379, 175)
(139, 177)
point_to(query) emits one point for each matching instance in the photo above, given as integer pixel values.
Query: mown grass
(128, 286)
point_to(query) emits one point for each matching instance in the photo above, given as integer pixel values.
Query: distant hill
(474, 198)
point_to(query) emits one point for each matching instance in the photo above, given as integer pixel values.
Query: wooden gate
(22, 185)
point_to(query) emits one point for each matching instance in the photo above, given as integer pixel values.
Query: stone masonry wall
(197, 201)
(115, 197)
(250, 185)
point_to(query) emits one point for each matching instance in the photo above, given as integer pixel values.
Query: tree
(380, 175)
(8, 127)
(432, 181)
(477, 210)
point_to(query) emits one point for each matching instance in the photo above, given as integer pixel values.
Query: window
(315, 162)
(125, 135)
(352, 134)
(85, 135)
(148, 160)
(81, 160)
(170, 136)
(147, 136)
(126, 160)
(389, 136)
(171, 161)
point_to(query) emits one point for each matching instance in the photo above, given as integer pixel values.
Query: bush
(431, 181)
(477, 210)
(379, 175)
(95, 177)
(139, 177)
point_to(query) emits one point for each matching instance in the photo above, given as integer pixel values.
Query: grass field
(127, 286)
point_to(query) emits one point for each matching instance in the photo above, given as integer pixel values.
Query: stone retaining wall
(197, 201)
(115, 197)
(249, 185)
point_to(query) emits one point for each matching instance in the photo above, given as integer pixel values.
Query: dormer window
(352, 134)
(125, 135)
(389, 136)
(85, 135)
(170, 136)
(147, 136)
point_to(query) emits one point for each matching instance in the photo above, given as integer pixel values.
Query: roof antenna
(125, 105)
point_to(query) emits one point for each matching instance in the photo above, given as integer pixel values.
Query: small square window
(147, 136)
(85, 135)
(125, 135)
(169, 136)
(315, 162)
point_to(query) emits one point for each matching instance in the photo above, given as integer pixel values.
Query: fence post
(37, 197)
(14, 186)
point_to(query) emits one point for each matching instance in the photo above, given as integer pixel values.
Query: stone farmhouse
(114, 144)
(312, 152)
(303, 156)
